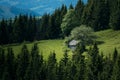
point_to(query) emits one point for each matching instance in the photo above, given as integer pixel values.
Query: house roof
(73, 42)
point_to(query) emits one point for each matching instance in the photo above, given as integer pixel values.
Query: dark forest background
(100, 15)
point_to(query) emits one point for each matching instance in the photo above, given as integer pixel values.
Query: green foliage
(2, 62)
(83, 34)
(23, 62)
(95, 66)
(29, 28)
(115, 55)
(71, 6)
(3, 32)
(79, 10)
(114, 16)
(33, 67)
(10, 65)
(69, 22)
(116, 68)
(52, 67)
(96, 14)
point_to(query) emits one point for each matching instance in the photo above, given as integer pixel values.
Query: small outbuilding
(72, 44)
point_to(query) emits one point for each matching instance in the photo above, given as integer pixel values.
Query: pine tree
(101, 11)
(81, 67)
(73, 71)
(71, 6)
(33, 71)
(107, 69)
(23, 60)
(64, 67)
(116, 70)
(10, 30)
(9, 72)
(114, 16)
(115, 55)
(51, 67)
(95, 66)
(3, 32)
(79, 9)
(88, 13)
(2, 62)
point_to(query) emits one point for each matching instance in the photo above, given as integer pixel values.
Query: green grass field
(45, 47)
(109, 40)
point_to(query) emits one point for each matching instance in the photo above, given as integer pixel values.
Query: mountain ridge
(11, 8)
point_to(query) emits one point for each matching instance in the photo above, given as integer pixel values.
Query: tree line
(30, 65)
(100, 15)
(97, 14)
(29, 28)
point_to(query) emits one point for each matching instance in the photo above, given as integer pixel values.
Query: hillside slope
(10, 12)
(109, 40)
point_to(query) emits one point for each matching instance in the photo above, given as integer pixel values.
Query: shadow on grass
(100, 42)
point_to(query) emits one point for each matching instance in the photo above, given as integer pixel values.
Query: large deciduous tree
(83, 34)
(69, 22)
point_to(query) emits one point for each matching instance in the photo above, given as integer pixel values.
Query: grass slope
(45, 47)
(110, 39)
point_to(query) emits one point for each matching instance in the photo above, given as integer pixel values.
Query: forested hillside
(94, 25)
(100, 15)
(30, 65)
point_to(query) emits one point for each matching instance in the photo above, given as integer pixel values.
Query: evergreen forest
(86, 61)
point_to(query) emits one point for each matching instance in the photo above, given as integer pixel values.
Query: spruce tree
(51, 67)
(23, 62)
(116, 70)
(81, 68)
(2, 62)
(115, 55)
(33, 69)
(71, 6)
(79, 9)
(114, 16)
(107, 69)
(87, 13)
(3, 32)
(95, 66)
(10, 65)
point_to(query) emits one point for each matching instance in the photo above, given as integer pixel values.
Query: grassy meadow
(108, 39)
(45, 47)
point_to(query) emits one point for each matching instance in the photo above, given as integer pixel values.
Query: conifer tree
(64, 66)
(95, 66)
(33, 71)
(51, 67)
(116, 70)
(87, 13)
(2, 62)
(115, 55)
(71, 6)
(81, 67)
(79, 9)
(107, 69)
(3, 32)
(23, 62)
(10, 69)
(114, 16)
